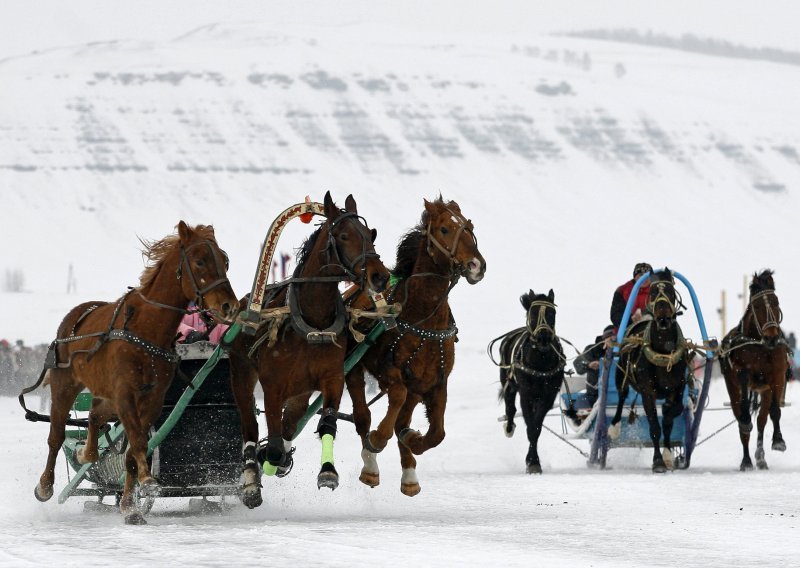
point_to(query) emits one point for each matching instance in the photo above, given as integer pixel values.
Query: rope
(567, 442)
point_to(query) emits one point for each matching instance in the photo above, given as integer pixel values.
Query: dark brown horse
(654, 360)
(754, 357)
(412, 361)
(292, 359)
(123, 352)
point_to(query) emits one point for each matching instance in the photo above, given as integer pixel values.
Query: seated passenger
(623, 293)
(196, 326)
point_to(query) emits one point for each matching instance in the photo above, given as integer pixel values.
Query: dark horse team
(655, 360)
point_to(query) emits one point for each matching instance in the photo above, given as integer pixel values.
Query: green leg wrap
(327, 448)
(269, 469)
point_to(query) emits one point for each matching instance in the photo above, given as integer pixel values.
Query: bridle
(771, 318)
(221, 265)
(541, 320)
(463, 225)
(661, 297)
(338, 258)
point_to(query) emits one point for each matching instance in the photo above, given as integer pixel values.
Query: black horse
(531, 363)
(755, 359)
(653, 360)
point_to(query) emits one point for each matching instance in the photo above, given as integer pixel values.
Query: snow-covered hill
(575, 158)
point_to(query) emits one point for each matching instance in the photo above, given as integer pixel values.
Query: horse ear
(184, 233)
(550, 295)
(429, 206)
(525, 300)
(350, 204)
(331, 211)
(374, 234)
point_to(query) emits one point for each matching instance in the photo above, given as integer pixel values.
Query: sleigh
(594, 417)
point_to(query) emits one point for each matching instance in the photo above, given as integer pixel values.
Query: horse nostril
(226, 309)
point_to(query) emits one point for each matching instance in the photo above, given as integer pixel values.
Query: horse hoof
(328, 477)
(42, 494)
(666, 455)
(370, 478)
(659, 468)
(369, 446)
(410, 489)
(83, 459)
(406, 435)
(135, 518)
(533, 468)
(746, 466)
(614, 430)
(252, 499)
(761, 464)
(779, 445)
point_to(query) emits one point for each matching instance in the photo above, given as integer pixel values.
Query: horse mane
(762, 282)
(411, 243)
(305, 250)
(155, 252)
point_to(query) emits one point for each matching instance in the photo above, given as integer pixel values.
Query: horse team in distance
(655, 360)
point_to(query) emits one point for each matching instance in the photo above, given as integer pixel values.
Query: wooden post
(723, 314)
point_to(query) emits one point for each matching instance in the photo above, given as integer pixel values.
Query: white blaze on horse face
(455, 220)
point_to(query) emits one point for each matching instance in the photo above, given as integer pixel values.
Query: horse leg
(370, 473)
(510, 399)
(761, 422)
(435, 403)
(243, 381)
(615, 428)
(63, 392)
(533, 422)
(649, 403)
(332, 387)
(98, 417)
(670, 410)
(294, 409)
(396, 392)
(409, 483)
(742, 405)
(778, 444)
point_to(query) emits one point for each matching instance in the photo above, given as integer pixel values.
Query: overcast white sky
(27, 25)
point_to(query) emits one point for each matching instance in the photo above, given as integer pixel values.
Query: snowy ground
(477, 506)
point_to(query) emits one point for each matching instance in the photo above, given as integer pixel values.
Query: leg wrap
(249, 456)
(273, 452)
(327, 423)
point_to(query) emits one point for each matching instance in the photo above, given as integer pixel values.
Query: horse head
(764, 311)
(541, 318)
(350, 245)
(201, 267)
(451, 239)
(662, 300)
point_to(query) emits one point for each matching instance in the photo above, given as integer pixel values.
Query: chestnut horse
(654, 360)
(754, 356)
(123, 352)
(292, 359)
(532, 363)
(412, 361)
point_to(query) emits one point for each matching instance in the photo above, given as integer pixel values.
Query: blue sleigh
(637, 434)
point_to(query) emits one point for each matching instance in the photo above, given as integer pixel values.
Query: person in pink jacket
(195, 327)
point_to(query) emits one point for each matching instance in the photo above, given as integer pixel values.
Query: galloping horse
(654, 360)
(412, 361)
(308, 354)
(754, 357)
(531, 363)
(123, 352)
